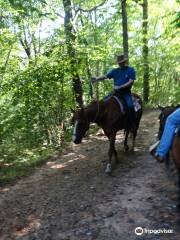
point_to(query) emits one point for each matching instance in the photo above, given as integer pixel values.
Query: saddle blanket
(137, 105)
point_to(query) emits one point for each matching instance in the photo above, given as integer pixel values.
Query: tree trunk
(3, 71)
(125, 28)
(87, 64)
(70, 41)
(145, 52)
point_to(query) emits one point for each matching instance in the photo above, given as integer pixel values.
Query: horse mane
(93, 104)
(169, 107)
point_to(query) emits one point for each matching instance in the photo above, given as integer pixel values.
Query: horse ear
(160, 108)
(82, 109)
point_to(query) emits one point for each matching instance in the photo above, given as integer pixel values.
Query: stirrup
(153, 147)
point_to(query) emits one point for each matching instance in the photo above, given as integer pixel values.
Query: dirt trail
(71, 198)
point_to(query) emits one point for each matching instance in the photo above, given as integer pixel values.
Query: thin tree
(145, 52)
(70, 42)
(124, 28)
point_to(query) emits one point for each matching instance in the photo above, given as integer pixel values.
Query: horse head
(165, 112)
(81, 125)
(162, 120)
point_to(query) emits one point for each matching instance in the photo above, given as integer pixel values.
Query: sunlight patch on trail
(32, 225)
(62, 165)
(4, 189)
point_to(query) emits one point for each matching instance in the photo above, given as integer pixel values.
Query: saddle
(123, 105)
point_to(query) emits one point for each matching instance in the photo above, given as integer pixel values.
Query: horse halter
(80, 128)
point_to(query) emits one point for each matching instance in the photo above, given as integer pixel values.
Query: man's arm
(98, 79)
(126, 85)
(109, 75)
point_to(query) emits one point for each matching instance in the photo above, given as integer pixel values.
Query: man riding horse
(108, 115)
(160, 149)
(124, 77)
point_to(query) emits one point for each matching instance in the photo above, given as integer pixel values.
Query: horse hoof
(117, 161)
(108, 168)
(178, 207)
(108, 171)
(126, 148)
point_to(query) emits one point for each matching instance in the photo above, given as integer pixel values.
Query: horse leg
(133, 140)
(116, 156)
(110, 153)
(176, 159)
(126, 147)
(178, 203)
(167, 165)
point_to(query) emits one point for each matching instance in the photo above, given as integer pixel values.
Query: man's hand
(118, 91)
(114, 92)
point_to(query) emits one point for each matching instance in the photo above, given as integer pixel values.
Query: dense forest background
(50, 49)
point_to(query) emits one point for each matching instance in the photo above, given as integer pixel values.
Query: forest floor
(71, 198)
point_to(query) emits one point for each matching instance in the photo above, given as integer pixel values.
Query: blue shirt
(121, 75)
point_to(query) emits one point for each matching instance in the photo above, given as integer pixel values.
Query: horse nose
(76, 141)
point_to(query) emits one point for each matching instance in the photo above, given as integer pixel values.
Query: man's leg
(130, 112)
(160, 151)
(131, 119)
(168, 134)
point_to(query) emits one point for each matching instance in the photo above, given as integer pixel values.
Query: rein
(97, 113)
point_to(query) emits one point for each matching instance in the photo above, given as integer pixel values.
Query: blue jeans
(172, 122)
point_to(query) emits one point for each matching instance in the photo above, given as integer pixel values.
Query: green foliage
(16, 161)
(36, 89)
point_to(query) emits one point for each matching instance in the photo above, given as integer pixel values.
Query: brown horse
(165, 112)
(175, 149)
(109, 116)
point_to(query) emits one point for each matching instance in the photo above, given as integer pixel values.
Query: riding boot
(131, 119)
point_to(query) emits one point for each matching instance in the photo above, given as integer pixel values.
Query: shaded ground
(72, 198)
